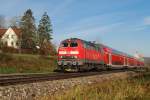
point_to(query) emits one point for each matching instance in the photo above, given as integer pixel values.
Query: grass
(129, 89)
(26, 63)
(8, 70)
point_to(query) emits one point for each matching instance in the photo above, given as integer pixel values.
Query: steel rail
(13, 80)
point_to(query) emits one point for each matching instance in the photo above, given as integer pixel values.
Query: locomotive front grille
(68, 57)
(69, 63)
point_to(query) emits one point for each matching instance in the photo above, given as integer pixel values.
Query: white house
(10, 36)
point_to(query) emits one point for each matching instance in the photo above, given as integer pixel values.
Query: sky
(120, 24)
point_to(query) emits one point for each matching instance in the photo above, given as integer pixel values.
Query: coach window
(84, 45)
(92, 47)
(88, 46)
(97, 48)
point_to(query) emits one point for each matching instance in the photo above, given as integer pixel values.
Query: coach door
(109, 59)
(124, 61)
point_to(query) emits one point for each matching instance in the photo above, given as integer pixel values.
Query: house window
(5, 43)
(7, 36)
(17, 44)
(12, 43)
(12, 36)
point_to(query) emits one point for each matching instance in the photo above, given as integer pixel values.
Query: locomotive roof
(117, 52)
(99, 44)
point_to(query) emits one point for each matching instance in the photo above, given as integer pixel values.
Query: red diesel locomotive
(76, 54)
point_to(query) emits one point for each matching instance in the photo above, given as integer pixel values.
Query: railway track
(31, 78)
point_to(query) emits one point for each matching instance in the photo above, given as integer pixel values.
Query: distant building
(10, 37)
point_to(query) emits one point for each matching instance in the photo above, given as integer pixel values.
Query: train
(75, 54)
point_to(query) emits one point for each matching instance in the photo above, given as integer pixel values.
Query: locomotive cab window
(73, 44)
(65, 44)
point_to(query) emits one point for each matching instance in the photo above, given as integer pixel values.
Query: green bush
(6, 49)
(4, 57)
(8, 70)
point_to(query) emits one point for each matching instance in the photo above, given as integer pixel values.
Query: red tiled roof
(16, 30)
(2, 32)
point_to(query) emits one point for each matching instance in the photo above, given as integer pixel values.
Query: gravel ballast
(33, 91)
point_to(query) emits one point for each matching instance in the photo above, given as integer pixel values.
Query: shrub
(9, 50)
(5, 57)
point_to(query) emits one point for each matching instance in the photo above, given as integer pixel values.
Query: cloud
(142, 25)
(8, 5)
(98, 29)
(147, 20)
(92, 23)
(89, 32)
(60, 8)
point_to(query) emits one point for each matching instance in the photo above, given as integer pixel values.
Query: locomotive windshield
(69, 44)
(73, 44)
(65, 44)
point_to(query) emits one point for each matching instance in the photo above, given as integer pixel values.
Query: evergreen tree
(28, 28)
(44, 30)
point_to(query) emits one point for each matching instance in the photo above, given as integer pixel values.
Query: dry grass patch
(130, 89)
(25, 63)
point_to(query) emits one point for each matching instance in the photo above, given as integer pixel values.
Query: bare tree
(14, 22)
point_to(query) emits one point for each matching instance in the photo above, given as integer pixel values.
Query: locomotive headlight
(61, 56)
(62, 52)
(74, 52)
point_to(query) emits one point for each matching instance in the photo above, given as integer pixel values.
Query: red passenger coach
(77, 54)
